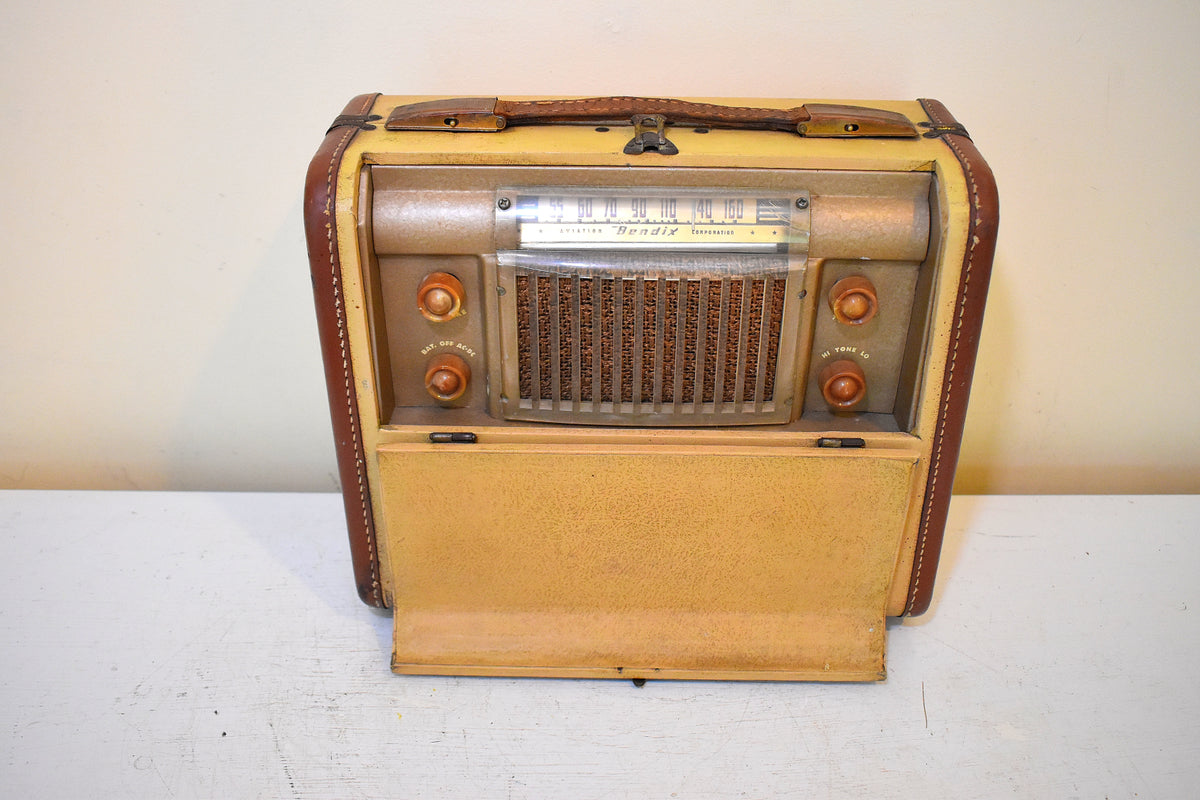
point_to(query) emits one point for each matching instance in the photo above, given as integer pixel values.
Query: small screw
(504, 204)
(500, 291)
(803, 294)
(802, 203)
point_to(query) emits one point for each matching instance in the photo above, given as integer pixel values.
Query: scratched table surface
(211, 645)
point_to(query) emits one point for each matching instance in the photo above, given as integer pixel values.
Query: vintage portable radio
(645, 388)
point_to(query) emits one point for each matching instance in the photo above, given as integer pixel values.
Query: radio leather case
(647, 388)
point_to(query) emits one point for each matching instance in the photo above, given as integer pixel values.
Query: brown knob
(853, 300)
(843, 384)
(440, 296)
(446, 377)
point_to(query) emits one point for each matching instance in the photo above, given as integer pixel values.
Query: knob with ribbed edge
(440, 297)
(853, 300)
(446, 377)
(843, 384)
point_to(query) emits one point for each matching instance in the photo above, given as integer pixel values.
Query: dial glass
(658, 219)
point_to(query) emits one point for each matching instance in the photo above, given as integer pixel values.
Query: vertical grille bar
(764, 330)
(535, 327)
(739, 391)
(555, 354)
(722, 347)
(618, 294)
(681, 297)
(660, 308)
(639, 340)
(597, 342)
(576, 359)
(701, 346)
(522, 324)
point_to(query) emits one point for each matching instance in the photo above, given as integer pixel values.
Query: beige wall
(156, 327)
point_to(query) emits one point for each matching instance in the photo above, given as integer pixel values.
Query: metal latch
(452, 437)
(841, 441)
(649, 134)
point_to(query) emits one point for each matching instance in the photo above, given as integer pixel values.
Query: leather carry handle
(490, 114)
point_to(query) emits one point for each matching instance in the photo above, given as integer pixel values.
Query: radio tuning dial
(843, 384)
(446, 377)
(853, 300)
(440, 297)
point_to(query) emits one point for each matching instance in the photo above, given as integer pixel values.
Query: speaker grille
(663, 349)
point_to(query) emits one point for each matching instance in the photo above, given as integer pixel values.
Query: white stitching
(949, 381)
(359, 464)
(718, 111)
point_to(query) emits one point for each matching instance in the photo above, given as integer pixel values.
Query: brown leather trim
(622, 108)
(321, 232)
(960, 363)
(809, 120)
(490, 114)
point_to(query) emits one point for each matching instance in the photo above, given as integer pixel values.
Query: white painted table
(211, 645)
